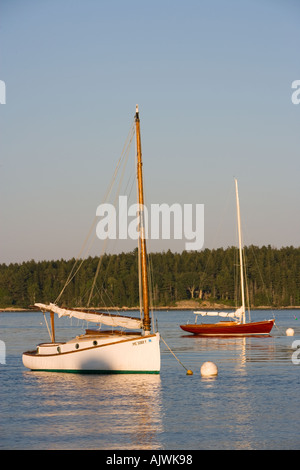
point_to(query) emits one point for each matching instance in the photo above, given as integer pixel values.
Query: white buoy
(208, 369)
(290, 332)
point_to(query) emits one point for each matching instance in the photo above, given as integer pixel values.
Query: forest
(210, 276)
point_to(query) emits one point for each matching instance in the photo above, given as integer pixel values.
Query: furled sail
(104, 318)
(237, 314)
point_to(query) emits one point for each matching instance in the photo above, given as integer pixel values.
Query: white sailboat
(106, 351)
(237, 324)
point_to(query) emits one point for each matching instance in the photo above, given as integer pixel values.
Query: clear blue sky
(213, 82)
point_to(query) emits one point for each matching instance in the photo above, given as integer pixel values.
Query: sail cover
(237, 314)
(104, 318)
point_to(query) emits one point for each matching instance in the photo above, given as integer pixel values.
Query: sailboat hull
(106, 355)
(230, 328)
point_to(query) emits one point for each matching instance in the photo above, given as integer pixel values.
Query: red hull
(230, 329)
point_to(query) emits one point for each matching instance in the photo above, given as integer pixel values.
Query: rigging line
(131, 183)
(72, 274)
(151, 282)
(112, 305)
(107, 269)
(44, 313)
(174, 354)
(264, 285)
(149, 259)
(151, 290)
(110, 259)
(97, 272)
(261, 278)
(85, 247)
(129, 194)
(235, 277)
(144, 222)
(125, 147)
(244, 269)
(251, 248)
(139, 242)
(89, 291)
(217, 232)
(125, 160)
(100, 293)
(140, 278)
(246, 283)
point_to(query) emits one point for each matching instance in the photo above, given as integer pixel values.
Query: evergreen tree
(210, 275)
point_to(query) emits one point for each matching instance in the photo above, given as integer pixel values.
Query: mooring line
(188, 371)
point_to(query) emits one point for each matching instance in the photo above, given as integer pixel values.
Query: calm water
(253, 403)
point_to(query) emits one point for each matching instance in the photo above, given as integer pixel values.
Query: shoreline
(163, 308)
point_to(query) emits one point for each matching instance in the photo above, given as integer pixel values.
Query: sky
(213, 80)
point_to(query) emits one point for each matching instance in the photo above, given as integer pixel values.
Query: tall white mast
(240, 248)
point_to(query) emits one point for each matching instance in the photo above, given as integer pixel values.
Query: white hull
(106, 351)
(98, 354)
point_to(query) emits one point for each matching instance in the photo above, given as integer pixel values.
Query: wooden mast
(52, 327)
(145, 290)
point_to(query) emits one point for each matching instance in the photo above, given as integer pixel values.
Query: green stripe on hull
(97, 371)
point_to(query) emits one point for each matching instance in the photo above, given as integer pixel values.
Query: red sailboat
(236, 324)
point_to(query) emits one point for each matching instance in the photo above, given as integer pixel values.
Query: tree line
(210, 275)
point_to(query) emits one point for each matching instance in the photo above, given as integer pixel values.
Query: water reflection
(240, 350)
(251, 404)
(98, 411)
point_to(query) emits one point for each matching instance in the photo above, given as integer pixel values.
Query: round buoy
(189, 372)
(290, 332)
(209, 369)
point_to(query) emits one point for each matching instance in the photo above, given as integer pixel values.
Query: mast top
(137, 111)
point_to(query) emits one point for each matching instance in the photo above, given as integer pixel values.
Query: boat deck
(90, 339)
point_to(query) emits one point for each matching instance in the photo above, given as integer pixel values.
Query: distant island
(187, 280)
